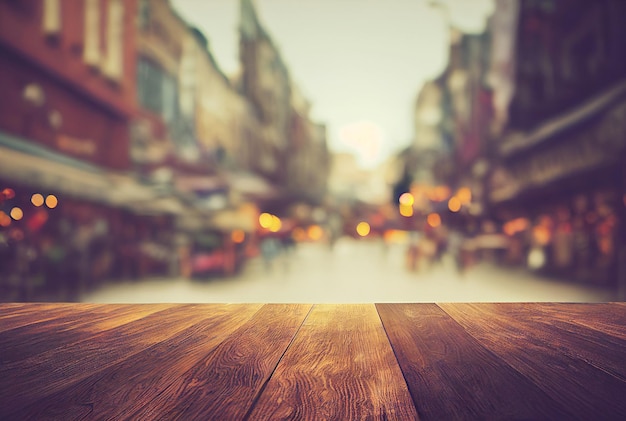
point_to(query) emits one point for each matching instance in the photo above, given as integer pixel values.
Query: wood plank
(572, 336)
(31, 379)
(224, 384)
(16, 315)
(452, 376)
(609, 318)
(339, 367)
(134, 383)
(589, 392)
(72, 325)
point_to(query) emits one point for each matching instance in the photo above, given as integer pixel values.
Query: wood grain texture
(16, 315)
(135, 383)
(589, 392)
(452, 376)
(255, 361)
(608, 318)
(568, 334)
(68, 327)
(225, 383)
(26, 381)
(339, 367)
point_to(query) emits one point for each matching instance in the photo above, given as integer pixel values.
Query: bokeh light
(438, 194)
(363, 228)
(8, 193)
(5, 221)
(454, 204)
(514, 226)
(465, 195)
(433, 219)
(238, 236)
(299, 234)
(407, 199)
(17, 234)
(315, 232)
(17, 213)
(37, 199)
(265, 220)
(276, 224)
(536, 259)
(52, 201)
(406, 210)
(541, 235)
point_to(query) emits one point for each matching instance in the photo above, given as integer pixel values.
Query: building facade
(559, 160)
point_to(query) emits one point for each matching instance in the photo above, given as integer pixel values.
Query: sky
(360, 63)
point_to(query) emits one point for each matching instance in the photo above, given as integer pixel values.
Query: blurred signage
(83, 147)
(585, 150)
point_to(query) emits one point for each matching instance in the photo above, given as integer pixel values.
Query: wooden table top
(313, 362)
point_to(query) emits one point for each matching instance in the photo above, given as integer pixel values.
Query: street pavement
(355, 271)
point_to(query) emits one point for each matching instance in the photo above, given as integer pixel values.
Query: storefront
(565, 192)
(69, 225)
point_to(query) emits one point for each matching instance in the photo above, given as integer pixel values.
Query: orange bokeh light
(8, 193)
(299, 234)
(434, 220)
(454, 204)
(37, 199)
(238, 236)
(315, 232)
(5, 221)
(465, 195)
(541, 234)
(17, 213)
(52, 201)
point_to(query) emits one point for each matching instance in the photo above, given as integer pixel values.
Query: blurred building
(448, 153)
(559, 146)
(527, 120)
(68, 88)
(292, 152)
(121, 141)
(307, 157)
(428, 147)
(265, 83)
(68, 80)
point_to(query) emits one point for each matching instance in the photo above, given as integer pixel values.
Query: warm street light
(52, 201)
(37, 199)
(17, 214)
(363, 228)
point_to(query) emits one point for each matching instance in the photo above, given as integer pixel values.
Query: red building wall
(84, 113)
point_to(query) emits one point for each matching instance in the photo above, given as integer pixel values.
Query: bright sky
(361, 63)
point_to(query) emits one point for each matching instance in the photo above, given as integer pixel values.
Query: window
(157, 91)
(91, 52)
(113, 66)
(51, 17)
(149, 85)
(143, 16)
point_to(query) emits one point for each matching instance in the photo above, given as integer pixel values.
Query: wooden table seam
(395, 355)
(264, 385)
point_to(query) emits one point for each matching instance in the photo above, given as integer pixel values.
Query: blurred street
(162, 150)
(354, 271)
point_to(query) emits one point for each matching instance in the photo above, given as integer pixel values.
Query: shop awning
(26, 163)
(520, 141)
(251, 185)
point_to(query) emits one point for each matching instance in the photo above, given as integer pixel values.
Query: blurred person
(270, 249)
(454, 249)
(413, 251)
